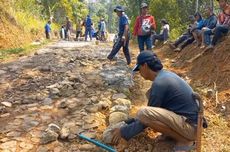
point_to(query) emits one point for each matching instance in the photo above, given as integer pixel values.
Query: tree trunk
(110, 16)
(197, 5)
(211, 4)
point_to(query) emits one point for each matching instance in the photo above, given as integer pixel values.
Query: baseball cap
(119, 9)
(144, 57)
(143, 5)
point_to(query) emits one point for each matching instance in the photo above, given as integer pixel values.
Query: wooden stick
(200, 122)
(216, 94)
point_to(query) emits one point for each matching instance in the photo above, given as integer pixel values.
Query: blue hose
(97, 143)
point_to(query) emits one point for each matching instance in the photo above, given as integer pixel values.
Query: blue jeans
(88, 31)
(159, 37)
(187, 42)
(181, 39)
(207, 37)
(117, 46)
(142, 40)
(218, 33)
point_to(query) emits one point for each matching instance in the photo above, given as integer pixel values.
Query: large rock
(91, 126)
(14, 134)
(48, 136)
(65, 132)
(47, 101)
(66, 129)
(119, 95)
(72, 104)
(116, 117)
(54, 91)
(58, 149)
(90, 134)
(26, 146)
(106, 101)
(116, 75)
(45, 68)
(75, 77)
(9, 146)
(2, 72)
(29, 124)
(107, 134)
(119, 108)
(66, 91)
(123, 102)
(92, 108)
(103, 105)
(42, 149)
(54, 127)
(87, 147)
(7, 104)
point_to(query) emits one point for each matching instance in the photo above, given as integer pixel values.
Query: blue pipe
(97, 143)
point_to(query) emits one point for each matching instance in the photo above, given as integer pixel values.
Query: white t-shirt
(103, 26)
(165, 27)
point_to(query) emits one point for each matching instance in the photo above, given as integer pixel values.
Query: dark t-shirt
(170, 92)
(68, 25)
(123, 20)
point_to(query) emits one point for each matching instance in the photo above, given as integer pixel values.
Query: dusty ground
(65, 84)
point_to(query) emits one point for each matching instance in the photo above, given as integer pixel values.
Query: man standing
(171, 110)
(102, 29)
(48, 29)
(78, 30)
(68, 28)
(88, 28)
(144, 24)
(123, 35)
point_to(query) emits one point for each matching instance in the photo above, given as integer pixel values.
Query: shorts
(176, 122)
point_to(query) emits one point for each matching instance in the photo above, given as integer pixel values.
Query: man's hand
(124, 40)
(121, 144)
(134, 37)
(116, 136)
(213, 30)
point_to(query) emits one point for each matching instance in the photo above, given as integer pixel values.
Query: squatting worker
(171, 108)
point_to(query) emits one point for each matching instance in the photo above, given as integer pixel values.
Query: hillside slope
(15, 32)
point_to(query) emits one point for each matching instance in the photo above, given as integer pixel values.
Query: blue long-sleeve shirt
(200, 24)
(210, 22)
(170, 92)
(123, 21)
(47, 27)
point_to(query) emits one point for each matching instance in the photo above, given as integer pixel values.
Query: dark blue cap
(144, 57)
(119, 9)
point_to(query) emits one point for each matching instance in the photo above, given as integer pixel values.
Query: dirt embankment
(204, 69)
(12, 34)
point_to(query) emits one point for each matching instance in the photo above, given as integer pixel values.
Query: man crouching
(171, 108)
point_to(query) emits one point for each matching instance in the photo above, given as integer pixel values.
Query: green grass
(6, 53)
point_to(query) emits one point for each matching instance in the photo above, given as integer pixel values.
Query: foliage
(175, 11)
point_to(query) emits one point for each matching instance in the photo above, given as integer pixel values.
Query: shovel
(97, 143)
